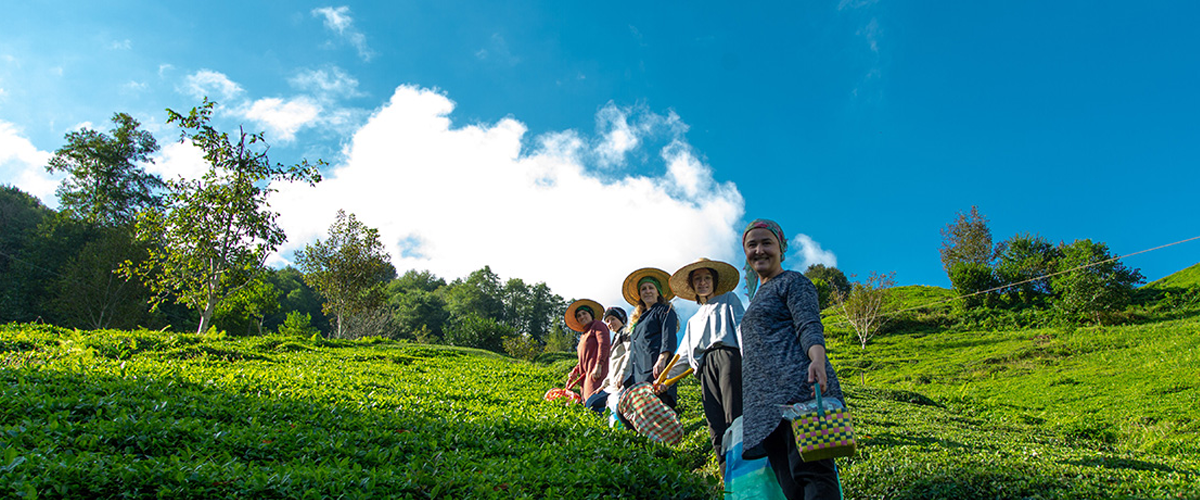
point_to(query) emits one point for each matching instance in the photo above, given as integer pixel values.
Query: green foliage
(833, 276)
(561, 339)
(1093, 293)
(824, 291)
(478, 332)
(111, 414)
(1184, 279)
(106, 182)
(478, 294)
(417, 310)
(967, 239)
(215, 232)
(21, 280)
(866, 307)
(294, 295)
(297, 324)
(522, 347)
(1022, 258)
(246, 310)
(969, 280)
(350, 269)
(87, 292)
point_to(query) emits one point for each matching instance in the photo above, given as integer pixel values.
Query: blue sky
(572, 142)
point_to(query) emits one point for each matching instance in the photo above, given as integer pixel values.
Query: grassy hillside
(1185, 278)
(1098, 413)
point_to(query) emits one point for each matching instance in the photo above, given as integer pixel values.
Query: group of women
(749, 362)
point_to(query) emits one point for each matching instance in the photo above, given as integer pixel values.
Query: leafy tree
(87, 292)
(415, 280)
(213, 234)
(417, 309)
(824, 292)
(833, 276)
(967, 239)
(971, 278)
(561, 339)
(294, 295)
(247, 309)
(350, 269)
(1021, 258)
(865, 306)
(522, 347)
(530, 310)
(479, 332)
(20, 216)
(478, 294)
(107, 183)
(1092, 292)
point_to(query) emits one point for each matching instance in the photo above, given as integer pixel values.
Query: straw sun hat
(727, 278)
(630, 288)
(573, 323)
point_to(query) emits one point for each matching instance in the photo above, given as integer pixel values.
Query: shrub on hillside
(1023, 258)
(1096, 292)
(971, 278)
(297, 325)
(561, 340)
(824, 289)
(523, 347)
(478, 332)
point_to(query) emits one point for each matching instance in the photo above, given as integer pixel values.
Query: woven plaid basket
(824, 434)
(649, 416)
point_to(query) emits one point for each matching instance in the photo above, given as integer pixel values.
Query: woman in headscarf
(593, 346)
(618, 363)
(654, 325)
(783, 358)
(711, 343)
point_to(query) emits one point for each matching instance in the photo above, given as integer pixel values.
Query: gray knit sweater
(781, 324)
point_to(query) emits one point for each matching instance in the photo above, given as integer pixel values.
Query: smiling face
(702, 282)
(583, 317)
(613, 323)
(763, 253)
(649, 293)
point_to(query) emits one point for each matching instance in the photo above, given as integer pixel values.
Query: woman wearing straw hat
(711, 342)
(593, 346)
(654, 325)
(783, 358)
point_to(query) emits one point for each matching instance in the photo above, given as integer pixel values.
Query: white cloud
(136, 86)
(331, 83)
(125, 44)
(23, 165)
(871, 33)
(453, 199)
(283, 117)
(809, 252)
(856, 4)
(164, 68)
(179, 159)
(215, 85)
(338, 19)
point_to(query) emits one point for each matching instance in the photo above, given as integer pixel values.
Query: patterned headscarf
(748, 271)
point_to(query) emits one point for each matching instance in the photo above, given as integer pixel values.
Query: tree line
(128, 249)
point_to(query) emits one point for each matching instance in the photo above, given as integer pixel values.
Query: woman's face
(648, 293)
(613, 323)
(702, 282)
(762, 252)
(583, 317)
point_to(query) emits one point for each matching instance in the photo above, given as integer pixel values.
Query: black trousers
(816, 480)
(721, 392)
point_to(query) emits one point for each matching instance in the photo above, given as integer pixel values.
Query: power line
(1039, 278)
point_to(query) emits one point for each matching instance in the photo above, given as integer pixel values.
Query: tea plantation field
(1097, 413)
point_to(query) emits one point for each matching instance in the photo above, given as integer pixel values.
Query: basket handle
(820, 406)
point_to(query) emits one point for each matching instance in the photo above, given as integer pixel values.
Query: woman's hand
(816, 369)
(659, 366)
(596, 376)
